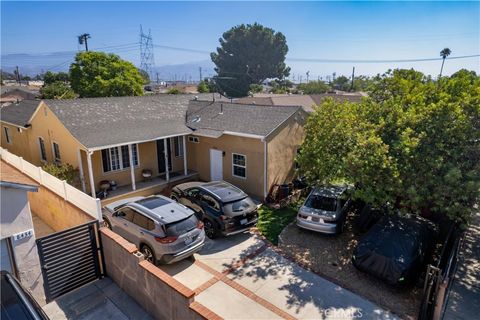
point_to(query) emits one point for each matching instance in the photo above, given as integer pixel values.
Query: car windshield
(321, 203)
(239, 205)
(181, 227)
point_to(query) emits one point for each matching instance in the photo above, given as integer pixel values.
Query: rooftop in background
(306, 101)
(213, 119)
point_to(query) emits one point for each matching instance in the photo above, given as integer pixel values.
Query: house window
(118, 158)
(178, 146)
(239, 162)
(56, 152)
(126, 156)
(43, 152)
(7, 135)
(193, 139)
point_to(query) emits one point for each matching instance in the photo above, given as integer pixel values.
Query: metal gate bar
(70, 259)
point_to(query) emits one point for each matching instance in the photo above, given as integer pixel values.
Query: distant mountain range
(32, 65)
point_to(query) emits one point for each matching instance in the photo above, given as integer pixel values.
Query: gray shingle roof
(100, 122)
(208, 116)
(19, 113)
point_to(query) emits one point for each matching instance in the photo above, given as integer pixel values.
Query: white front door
(216, 165)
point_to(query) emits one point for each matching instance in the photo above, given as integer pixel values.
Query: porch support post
(90, 173)
(165, 153)
(132, 167)
(185, 169)
(80, 169)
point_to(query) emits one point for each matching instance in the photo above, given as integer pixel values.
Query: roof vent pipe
(221, 108)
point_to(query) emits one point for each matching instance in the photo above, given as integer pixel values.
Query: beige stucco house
(170, 136)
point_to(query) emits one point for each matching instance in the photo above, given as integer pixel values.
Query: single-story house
(161, 136)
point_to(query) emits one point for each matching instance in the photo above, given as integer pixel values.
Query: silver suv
(163, 230)
(325, 210)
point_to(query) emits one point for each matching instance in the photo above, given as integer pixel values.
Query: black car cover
(395, 248)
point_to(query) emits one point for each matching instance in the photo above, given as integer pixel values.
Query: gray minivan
(163, 230)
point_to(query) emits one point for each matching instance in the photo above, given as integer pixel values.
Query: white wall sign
(22, 235)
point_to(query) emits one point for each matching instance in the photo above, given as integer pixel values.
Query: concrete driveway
(101, 299)
(240, 277)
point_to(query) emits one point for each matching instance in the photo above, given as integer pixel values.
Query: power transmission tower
(147, 61)
(83, 39)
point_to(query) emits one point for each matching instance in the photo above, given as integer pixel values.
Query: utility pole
(157, 78)
(200, 69)
(17, 73)
(353, 78)
(83, 39)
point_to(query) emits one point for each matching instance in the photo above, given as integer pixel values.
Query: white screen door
(216, 165)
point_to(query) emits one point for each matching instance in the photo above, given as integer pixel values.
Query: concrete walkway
(463, 301)
(240, 277)
(101, 299)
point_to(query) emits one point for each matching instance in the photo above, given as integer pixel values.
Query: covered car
(396, 249)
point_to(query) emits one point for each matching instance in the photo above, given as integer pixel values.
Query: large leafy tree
(414, 143)
(249, 54)
(314, 87)
(98, 74)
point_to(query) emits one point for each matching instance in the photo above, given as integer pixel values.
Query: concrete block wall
(157, 292)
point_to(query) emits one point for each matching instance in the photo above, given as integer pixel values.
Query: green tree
(57, 90)
(249, 54)
(203, 87)
(313, 87)
(414, 144)
(98, 74)
(145, 76)
(256, 88)
(342, 83)
(50, 77)
(444, 54)
(174, 91)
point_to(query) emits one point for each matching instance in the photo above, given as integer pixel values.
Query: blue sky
(330, 30)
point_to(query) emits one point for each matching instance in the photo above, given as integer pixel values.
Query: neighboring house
(11, 95)
(19, 253)
(102, 137)
(250, 146)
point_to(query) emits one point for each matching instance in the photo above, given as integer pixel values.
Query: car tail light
(166, 240)
(199, 224)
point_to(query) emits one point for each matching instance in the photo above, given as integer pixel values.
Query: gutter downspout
(265, 167)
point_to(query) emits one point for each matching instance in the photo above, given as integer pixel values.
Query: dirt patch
(329, 256)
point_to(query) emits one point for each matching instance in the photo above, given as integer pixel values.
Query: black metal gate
(70, 259)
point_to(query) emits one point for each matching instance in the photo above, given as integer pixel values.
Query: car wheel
(209, 228)
(148, 253)
(106, 224)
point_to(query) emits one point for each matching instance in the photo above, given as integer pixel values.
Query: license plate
(188, 241)
(243, 221)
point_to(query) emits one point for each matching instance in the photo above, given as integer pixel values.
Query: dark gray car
(223, 208)
(162, 229)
